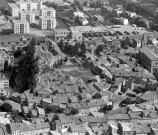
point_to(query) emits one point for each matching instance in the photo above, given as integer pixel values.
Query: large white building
(47, 19)
(4, 86)
(13, 9)
(20, 27)
(48, 12)
(29, 5)
(47, 22)
(27, 16)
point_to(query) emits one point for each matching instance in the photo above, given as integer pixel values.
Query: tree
(76, 49)
(83, 48)
(50, 109)
(6, 107)
(97, 96)
(74, 111)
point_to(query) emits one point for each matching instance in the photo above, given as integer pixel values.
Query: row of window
(62, 33)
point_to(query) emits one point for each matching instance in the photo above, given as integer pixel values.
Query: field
(13, 38)
(76, 70)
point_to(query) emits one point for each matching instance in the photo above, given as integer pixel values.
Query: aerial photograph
(78, 67)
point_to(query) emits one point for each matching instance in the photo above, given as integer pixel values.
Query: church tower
(143, 41)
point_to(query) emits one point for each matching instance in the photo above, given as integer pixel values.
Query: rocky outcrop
(37, 70)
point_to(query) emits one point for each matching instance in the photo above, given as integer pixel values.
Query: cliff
(38, 67)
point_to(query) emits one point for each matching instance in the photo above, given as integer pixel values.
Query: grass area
(14, 37)
(74, 69)
(84, 74)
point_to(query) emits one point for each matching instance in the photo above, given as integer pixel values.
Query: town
(78, 67)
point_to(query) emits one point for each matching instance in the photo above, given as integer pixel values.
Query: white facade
(13, 9)
(48, 12)
(4, 87)
(27, 16)
(47, 22)
(20, 27)
(78, 13)
(83, 21)
(29, 5)
(124, 21)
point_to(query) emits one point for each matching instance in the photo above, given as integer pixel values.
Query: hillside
(38, 67)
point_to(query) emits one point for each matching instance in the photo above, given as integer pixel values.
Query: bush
(6, 107)
(74, 111)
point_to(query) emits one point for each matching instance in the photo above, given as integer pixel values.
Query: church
(148, 54)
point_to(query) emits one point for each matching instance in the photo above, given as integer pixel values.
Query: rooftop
(13, 5)
(47, 17)
(20, 21)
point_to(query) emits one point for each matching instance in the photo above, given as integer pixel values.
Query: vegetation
(6, 107)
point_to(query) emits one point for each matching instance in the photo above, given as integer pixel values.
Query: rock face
(37, 70)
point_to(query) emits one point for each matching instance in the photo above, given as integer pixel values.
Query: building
(27, 16)
(83, 21)
(48, 12)
(123, 21)
(13, 9)
(32, 129)
(20, 27)
(4, 86)
(47, 19)
(47, 22)
(99, 18)
(130, 14)
(148, 56)
(60, 33)
(78, 13)
(29, 5)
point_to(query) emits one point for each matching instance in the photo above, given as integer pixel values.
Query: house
(24, 129)
(46, 102)
(3, 130)
(140, 129)
(15, 106)
(125, 129)
(79, 14)
(123, 21)
(130, 14)
(25, 110)
(4, 86)
(102, 86)
(98, 18)
(77, 129)
(135, 116)
(33, 101)
(102, 129)
(41, 112)
(16, 97)
(134, 109)
(62, 122)
(154, 128)
(118, 118)
(150, 96)
(113, 129)
(116, 99)
(54, 133)
(90, 120)
(83, 21)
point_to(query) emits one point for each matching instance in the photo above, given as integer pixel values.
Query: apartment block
(13, 9)
(47, 22)
(29, 5)
(27, 16)
(20, 27)
(48, 12)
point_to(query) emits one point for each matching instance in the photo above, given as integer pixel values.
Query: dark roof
(61, 25)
